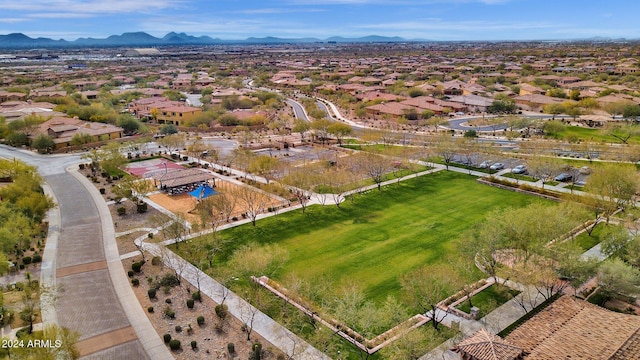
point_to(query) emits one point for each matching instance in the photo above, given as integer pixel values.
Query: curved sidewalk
(81, 263)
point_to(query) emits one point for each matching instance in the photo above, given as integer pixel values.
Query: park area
(376, 238)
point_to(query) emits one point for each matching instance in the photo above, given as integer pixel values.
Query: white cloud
(270, 11)
(393, 2)
(89, 6)
(12, 20)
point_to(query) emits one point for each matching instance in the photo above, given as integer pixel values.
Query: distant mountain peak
(141, 38)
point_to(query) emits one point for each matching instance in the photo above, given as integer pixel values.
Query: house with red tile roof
(569, 328)
(63, 129)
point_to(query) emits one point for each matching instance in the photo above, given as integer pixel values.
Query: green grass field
(489, 299)
(382, 235)
(578, 133)
(586, 242)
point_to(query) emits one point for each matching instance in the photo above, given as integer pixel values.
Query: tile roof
(485, 346)
(572, 328)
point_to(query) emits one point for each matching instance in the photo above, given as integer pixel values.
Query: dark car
(564, 177)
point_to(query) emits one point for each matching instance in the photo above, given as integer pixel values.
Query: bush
(194, 344)
(152, 293)
(169, 280)
(150, 309)
(103, 191)
(178, 328)
(231, 348)
(137, 266)
(221, 311)
(135, 282)
(122, 211)
(167, 338)
(150, 235)
(130, 273)
(174, 344)
(26, 260)
(142, 208)
(190, 303)
(37, 258)
(200, 320)
(156, 260)
(168, 312)
(196, 296)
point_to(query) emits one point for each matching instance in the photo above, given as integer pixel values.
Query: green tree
(617, 277)
(43, 143)
(301, 126)
(339, 130)
(264, 165)
(128, 123)
(613, 186)
(168, 129)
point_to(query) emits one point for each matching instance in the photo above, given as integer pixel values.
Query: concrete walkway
(263, 325)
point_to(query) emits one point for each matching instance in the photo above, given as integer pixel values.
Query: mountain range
(19, 40)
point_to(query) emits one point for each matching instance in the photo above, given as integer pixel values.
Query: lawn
(381, 235)
(577, 133)
(586, 242)
(489, 299)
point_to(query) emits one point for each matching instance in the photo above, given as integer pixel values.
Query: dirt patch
(212, 337)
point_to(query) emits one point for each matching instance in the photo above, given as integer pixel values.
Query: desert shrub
(156, 261)
(170, 280)
(150, 309)
(200, 320)
(174, 344)
(168, 312)
(167, 300)
(103, 191)
(122, 210)
(221, 311)
(190, 303)
(26, 260)
(137, 266)
(194, 344)
(130, 273)
(141, 208)
(135, 282)
(152, 293)
(231, 348)
(37, 258)
(178, 328)
(167, 338)
(196, 296)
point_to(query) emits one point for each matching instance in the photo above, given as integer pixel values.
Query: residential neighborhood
(321, 200)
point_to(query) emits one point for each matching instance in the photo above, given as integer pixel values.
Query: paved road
(81, 259)
(298, 110)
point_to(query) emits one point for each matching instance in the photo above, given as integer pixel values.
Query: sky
(443, 20)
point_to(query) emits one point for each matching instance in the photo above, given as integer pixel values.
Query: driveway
(81, 260)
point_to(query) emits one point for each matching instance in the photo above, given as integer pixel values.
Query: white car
(520, 169)
(497, 166)
(485, 164)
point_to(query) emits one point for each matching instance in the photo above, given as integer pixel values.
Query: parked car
(497, 166)
(485, 164)
(564, 177)
(585, 170)
(520, 169)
